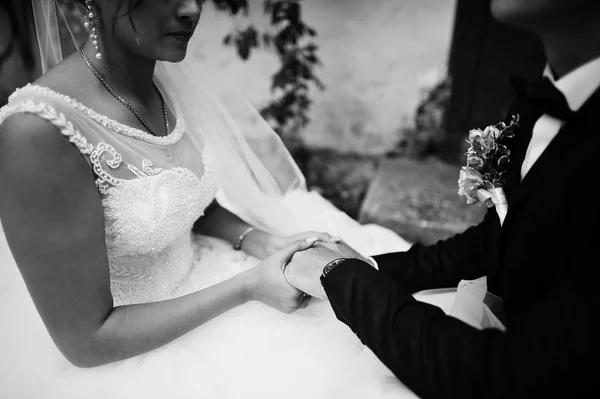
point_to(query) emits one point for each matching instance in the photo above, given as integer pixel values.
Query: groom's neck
(568, 48)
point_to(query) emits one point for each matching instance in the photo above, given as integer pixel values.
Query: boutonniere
(483, 177)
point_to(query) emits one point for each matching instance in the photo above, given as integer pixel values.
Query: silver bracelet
(240, 240)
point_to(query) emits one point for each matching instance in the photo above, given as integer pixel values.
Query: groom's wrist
(336, 262)
(330, 266)
(336, 281)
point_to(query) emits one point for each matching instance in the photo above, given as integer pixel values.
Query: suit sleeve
(442, 265)
(546, 350)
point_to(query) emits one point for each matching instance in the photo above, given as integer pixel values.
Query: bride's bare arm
(221, 223)
(53, 220)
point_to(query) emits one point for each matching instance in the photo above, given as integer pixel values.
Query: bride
(149, 233)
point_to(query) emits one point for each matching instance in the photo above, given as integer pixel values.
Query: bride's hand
(261, 245)
(266, 283)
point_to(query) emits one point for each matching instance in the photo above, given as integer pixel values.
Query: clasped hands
(289, 276)
(304, 268)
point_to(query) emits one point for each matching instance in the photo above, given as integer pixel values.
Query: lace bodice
(152, 189)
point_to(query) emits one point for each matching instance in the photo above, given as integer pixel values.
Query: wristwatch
(331, 265)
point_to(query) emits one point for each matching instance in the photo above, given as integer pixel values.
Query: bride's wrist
(258, 243)
(247, 286)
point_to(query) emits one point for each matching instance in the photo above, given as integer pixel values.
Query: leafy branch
(293, 42)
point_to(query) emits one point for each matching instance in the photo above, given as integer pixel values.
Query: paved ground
(418, 200)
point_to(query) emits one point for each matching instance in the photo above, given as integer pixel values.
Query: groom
(543, 261)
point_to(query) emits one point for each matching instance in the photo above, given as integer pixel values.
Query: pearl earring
(91, 19)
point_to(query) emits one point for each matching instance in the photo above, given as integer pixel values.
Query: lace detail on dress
(54, 117)
(143, 211)
(153, 277)
(149, 212)
(107, 122)
(148, 218)
(105, 180)
(147, 169)
(148, 221)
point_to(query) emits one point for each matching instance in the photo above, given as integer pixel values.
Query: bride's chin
(175, 55)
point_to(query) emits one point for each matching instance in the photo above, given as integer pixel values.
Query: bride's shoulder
(34, 152)
(38, 115)
(23, 126)
(28, 141)
(33, 126)
(23, 121)
(37, 137)
(43, 106)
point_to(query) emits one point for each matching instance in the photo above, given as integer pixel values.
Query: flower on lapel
(469, 182)
(483, 177)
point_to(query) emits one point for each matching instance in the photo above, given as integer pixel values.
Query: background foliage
(293, 42)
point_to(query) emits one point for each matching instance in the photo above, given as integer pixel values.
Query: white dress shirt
(577, 86)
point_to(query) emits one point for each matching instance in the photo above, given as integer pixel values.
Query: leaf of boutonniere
(503, 160)
(509, 132)
(504, 149)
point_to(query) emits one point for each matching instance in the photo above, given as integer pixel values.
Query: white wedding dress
(153, 189)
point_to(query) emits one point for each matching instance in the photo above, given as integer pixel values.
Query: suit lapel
(562, 148)
(518, 146)
(572, 135)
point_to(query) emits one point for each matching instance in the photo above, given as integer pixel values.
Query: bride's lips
(182, 36)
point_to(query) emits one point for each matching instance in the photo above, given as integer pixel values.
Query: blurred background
(374, 98)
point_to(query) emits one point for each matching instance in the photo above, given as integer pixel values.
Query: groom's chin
(532, 15)
(513, 12)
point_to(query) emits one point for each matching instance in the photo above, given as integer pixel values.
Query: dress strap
(50, 114)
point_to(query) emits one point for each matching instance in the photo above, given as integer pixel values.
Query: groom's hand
(305, 269)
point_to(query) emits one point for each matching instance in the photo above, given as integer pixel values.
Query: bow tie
(543, 96)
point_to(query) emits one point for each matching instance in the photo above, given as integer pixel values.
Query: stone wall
(376, 56)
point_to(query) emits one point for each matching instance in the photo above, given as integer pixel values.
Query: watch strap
(331, 265)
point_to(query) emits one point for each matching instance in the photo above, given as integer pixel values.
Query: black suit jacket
(544, 263)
